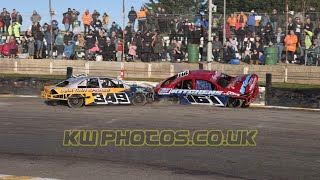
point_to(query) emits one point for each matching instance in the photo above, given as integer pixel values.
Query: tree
(179, 6)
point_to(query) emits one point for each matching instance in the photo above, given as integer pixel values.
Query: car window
(63, 84)
(83, 84)
(93, 83)
(186, 84)
(108, 83)
(205, 85)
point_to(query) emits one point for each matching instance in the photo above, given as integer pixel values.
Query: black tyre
(235, 103)
(139, 99)
(75, 101)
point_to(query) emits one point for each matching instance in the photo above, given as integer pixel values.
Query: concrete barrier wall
(280, 73)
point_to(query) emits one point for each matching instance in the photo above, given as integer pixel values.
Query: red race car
(209, 88)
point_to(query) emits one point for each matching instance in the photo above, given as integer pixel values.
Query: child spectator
(31, 48)
(13, 47)
(132, 51)
(119, 47)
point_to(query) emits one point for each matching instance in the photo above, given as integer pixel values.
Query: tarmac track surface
(288, 142)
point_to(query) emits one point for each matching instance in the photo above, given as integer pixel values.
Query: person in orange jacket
(291, 41)
(242, 18)
(86, 18)
(232, 21)
(142, 17)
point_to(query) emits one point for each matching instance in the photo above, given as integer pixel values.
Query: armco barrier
(280, 73)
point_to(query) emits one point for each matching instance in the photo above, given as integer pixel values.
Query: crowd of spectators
(249, 34)
(160, 36)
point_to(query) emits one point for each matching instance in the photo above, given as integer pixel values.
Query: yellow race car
(83, 90)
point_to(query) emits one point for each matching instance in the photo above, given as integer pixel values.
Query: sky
(112, 7)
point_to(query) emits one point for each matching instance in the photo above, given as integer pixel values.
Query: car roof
(77, 80)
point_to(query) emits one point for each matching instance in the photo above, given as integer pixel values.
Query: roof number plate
(183, 74)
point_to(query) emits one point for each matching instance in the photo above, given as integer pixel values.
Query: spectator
(268, 33)
(157, 44)
(49, 39)
(132, 17)
(265, 20)
(95, 15)
(308, 25)
(102, 40)
(86, 19)
(278, 41)
(232, 20)
(90, 42)
(146, 47)
(162, 21)
(216, 48)
(59, 43)
(138, 41)
(291, 25)
(35, 17)
(119, 48)
(305, 43)
(93, 51)
(298, 27)
(291, 41)
(14, 29)
(177, 53)
(241, 35)
(19, 18)
(31, 47)
(204, 23)
(252, 22)
(5, 15)
(96, 25)
(14, 16)
(132, 51)
(67, 19)
(274, 19)
(300, 16)
(23, 45)
(69, 49)
(113, 28)
(38, 35)
(105, 21)
(80, 41)
(142, 17)
(242, 18)
(151, 21)
(74, 18)
(67, 37)
(13, 47)
(108, 51)
(257, 51)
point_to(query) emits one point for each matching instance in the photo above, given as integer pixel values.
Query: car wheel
(75, 101)
(235, 103)
(139, 99)
(175, 100)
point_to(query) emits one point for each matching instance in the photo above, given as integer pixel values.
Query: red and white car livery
(209, 88)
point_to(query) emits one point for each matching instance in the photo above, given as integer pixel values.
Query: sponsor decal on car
(92, 90)
(216, 76)
(168, 91)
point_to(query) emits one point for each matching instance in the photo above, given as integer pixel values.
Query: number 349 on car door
(111, 98)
